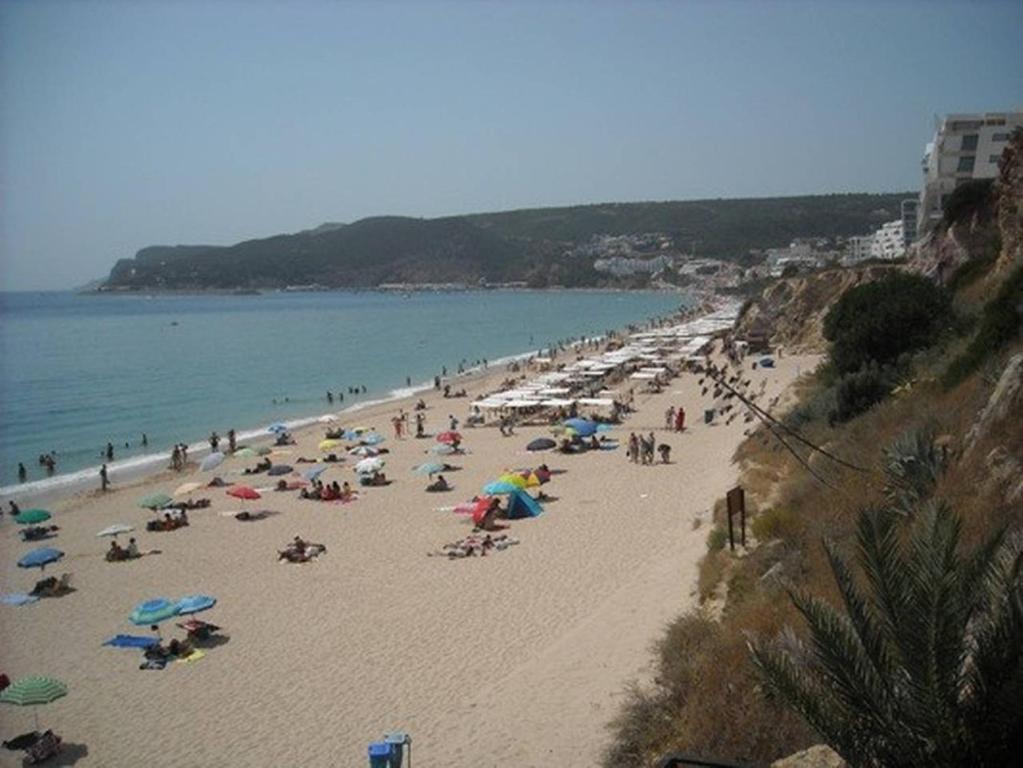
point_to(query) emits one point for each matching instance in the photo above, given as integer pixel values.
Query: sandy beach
(519, 658)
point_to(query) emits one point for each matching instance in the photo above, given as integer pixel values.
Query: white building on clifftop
(965, 147)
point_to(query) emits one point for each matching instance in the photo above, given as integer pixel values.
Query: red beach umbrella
(244, 492)
(449, 437)
(482, 505)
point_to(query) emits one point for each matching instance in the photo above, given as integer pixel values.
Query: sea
(78, 371)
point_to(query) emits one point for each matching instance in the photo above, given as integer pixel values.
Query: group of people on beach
(641, 449)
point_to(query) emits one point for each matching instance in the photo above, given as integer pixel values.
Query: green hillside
(527, 245)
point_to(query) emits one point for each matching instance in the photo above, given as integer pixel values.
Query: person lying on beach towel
(376, 478)
(190, 504)
(300, 551)
(261, 466)
(246, 516)
(474, 545)
(52, 586)
(39, 532)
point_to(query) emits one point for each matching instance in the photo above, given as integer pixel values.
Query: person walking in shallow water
(22, 473)
(110, 451)
(104, 481)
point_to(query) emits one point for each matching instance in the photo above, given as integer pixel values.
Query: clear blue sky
(136, 123)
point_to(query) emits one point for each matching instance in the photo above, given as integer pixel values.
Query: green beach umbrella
(155, 501)
(245, 453)
(31, 516)
(32, 691)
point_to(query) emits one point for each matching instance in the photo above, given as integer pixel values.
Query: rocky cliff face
(791, 312)
(1009, 189)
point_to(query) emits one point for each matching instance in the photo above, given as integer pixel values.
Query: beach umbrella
(373, 438)
(155, 501)
(449, 437)
(212, 461)
(472, 507)
(186, 488)
(277, 427)
(541, 444)
(31, 516)
(279, 469)
(115, 530)
(195, 604)
(499, 487)
(245, 453)
(582, 427)
(366, 466)
(443, 449)
(264, 451)
(33, 691)
(326, 445)
(40, 558)
(315, 472)
(244, 492)
(510, 477)
(153, 611)
(363, 450)
(429, 468)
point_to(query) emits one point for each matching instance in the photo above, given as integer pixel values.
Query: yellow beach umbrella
(186, 488)
(512, 479)
(326, 445)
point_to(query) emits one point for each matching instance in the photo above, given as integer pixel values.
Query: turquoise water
(79, 371)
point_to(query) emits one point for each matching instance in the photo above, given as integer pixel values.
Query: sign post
(736, 499)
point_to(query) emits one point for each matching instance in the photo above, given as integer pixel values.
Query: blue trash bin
(381, 755)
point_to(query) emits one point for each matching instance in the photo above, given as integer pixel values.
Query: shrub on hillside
(999, 324)
(880, 321)
(857, 392)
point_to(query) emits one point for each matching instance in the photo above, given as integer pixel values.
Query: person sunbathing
(331, 458)
(345, 492)
(328, 493)
(376, 478)
(37, 532)
(179, 648)
(115, 553)
(440, 484)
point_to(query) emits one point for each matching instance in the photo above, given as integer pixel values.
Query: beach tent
(521, 504)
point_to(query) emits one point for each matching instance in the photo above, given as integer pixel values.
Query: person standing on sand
(680, 419)
(104, 481)
(214, 441)
(22, 473)
(633, 450)
(669, 418)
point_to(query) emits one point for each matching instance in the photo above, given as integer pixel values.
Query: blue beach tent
(521, 504)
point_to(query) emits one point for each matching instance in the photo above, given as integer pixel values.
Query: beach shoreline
(148, 465)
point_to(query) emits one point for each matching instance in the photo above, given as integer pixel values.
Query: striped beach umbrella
(33, 691)
(153, 611)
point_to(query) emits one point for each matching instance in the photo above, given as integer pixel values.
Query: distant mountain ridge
(524, 245)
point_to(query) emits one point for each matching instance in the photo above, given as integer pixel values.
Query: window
(969, 143)
(996, 121)
(965, 125)
(994, 159)
(999, 137)
(965, 164)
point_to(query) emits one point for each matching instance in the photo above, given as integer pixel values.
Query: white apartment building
(888, 242)
(965, 147)
(857, 249)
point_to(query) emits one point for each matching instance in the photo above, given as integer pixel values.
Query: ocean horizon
(82, 370)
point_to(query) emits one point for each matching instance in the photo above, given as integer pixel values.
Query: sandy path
(514, 659)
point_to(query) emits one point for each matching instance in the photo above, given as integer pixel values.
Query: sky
(127, 124)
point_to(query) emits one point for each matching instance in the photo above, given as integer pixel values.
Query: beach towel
(131, 641)
(18, 598)
(193, 656)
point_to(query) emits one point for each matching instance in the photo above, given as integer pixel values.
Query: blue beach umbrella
(350, 434)
(499, 487)
(582, 427)
(429, 468)
(315, 472)
(153, 611)
(373, 438)
(212, 461)
(195, 604)
(39, 558)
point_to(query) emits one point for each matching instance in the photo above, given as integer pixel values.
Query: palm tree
(925, 665)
